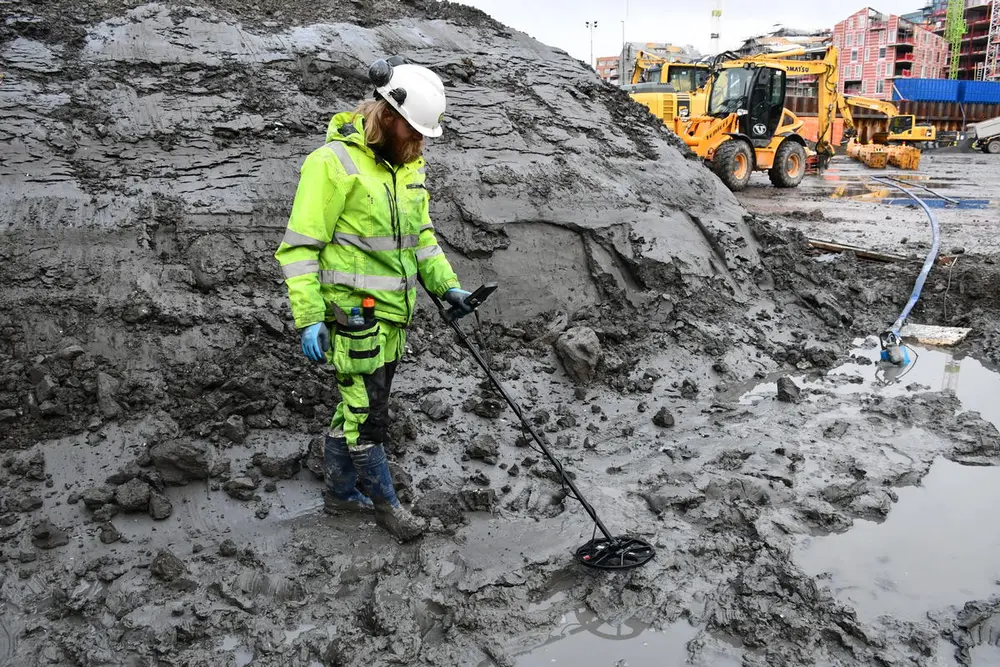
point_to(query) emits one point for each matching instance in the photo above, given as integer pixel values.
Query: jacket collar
(349, 128)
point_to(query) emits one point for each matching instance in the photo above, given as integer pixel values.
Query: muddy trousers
(362, 416)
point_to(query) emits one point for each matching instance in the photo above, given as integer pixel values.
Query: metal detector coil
(604, 553)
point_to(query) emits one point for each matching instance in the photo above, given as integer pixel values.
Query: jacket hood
(343, 128)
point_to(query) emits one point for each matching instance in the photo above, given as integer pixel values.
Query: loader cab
(755, 94)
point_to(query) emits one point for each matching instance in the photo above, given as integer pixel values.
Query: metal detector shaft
(517, 411)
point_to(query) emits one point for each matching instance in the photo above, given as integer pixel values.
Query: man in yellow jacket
(359, 239)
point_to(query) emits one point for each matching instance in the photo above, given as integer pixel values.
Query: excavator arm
(881, 106)
(644, 62)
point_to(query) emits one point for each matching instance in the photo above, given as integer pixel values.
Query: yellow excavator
(903, 128)
(667, 87)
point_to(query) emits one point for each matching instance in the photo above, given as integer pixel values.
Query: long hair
(378, 114)
(375, 113)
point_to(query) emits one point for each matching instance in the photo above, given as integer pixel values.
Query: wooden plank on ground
(864, 253)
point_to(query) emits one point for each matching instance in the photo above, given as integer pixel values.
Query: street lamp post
(591, 25)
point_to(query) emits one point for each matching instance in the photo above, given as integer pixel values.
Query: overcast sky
(561, 22)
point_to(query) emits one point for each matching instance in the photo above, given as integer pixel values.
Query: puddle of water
(975, 386)
(891, 196)
(292, 635)
(242, 656)
(986, 655)
(937, 547)
(589, 641)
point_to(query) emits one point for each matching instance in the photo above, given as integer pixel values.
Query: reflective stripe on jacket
(359, 227)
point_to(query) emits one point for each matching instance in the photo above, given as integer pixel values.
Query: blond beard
(403, 152)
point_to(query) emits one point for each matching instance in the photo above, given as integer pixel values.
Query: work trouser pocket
(357, 350)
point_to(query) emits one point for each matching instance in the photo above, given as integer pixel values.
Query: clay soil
(707, 377)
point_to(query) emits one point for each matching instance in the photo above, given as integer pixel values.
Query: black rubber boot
(373, 470)
(341, 493)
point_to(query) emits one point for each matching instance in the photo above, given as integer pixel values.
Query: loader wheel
(733, 163)
(993, 147)
(789, 165)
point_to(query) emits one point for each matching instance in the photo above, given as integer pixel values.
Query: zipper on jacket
(397, 230)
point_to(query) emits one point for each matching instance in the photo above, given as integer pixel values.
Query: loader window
(729, 91)
(767, 102)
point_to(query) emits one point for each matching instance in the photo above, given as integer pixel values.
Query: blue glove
(315, 341)
(456, 297)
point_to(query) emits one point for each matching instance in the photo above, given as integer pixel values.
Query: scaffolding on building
(992, 70)
(954, 30)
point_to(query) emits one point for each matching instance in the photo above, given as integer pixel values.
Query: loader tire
(733, 163)
(992, 147)
(789, 165)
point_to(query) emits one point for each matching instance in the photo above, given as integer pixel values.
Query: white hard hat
(414, 91)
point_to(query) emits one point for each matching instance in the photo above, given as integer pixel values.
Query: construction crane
(992, 72)
(954, 30)
(716, 26)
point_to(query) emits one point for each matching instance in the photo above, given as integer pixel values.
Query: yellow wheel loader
(746, 126)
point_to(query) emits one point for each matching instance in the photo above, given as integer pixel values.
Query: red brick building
(607, 68)
(876, 49)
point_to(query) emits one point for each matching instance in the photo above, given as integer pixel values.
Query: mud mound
(151, 158)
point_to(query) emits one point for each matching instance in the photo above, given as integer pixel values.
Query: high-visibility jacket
(359, 227)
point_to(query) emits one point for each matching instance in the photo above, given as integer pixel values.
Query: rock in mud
(580, 351)
(45, 388)
(314, 458)
(106, 512)
(240, 488)
(235, 429)
(32, 467)
(788, 391)
(124, 474)
(133, 496)
(271, 323)
(24, 502)
(97, 496)
(160, 506)
(479, 500)
(107, 392)
(487, 408)
(673, 496)
(278, 467)
(167, 567)
(183, 460)
(109, 534)
(822, 355)
(444, 505)
(46, 535)
(215, 260)
(663, 418)
(228, 548)
(483, 447)
(689, 389)
(436, 408)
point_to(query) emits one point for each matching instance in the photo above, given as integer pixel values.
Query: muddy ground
(160, 504)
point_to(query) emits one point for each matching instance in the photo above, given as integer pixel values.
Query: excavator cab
(900, 124)
(668, 89)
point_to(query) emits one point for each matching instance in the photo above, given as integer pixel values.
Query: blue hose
(891, 349)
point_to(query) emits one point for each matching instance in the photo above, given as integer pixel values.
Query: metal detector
(604, 553)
